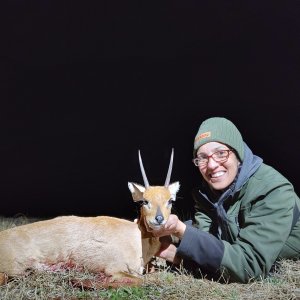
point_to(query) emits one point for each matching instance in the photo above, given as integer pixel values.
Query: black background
(86, 84)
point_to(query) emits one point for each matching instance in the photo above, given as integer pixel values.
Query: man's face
(218, 174)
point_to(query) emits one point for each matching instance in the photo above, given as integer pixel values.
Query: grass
(163, 284)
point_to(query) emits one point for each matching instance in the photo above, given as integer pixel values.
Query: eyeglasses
(218, 156)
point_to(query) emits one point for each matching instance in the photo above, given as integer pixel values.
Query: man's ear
(174, 188)
(136, 190)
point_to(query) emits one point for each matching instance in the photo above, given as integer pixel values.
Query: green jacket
(262, 225)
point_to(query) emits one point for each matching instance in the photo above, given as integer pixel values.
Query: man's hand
(168, 252)
(173, 226)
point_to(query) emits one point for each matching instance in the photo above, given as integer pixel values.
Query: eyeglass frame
(212, 156)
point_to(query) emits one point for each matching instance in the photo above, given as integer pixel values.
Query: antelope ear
(174, 188)
(136, 190)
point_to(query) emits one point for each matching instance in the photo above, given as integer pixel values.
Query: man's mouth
(216, 177)
(217, 174)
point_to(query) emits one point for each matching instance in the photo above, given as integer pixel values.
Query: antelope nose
(159, 219)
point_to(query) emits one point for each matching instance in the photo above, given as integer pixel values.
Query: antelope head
(156, 201)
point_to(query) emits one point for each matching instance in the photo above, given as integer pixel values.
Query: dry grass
(163, 284)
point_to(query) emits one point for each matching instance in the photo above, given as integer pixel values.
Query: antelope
(116, 247)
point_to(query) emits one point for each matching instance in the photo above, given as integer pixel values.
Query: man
(247, 213)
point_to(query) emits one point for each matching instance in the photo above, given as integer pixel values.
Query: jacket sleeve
(201, 247)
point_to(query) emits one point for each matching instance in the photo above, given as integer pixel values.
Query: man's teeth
(218, 174)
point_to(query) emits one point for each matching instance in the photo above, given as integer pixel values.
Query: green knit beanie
(220, 130)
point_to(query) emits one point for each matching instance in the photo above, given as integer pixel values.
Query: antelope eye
(170, 202)
(143, 202)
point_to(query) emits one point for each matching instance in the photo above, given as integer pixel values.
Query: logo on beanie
(203, 136)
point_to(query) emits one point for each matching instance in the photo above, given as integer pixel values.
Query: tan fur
(158, 198)
(117, 247)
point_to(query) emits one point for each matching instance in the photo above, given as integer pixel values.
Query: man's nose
(212, 163)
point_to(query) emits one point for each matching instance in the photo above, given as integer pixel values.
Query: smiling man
(247, 213)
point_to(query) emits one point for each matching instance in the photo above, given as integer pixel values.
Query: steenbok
(114, 247)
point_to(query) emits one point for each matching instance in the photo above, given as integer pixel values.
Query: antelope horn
(146, 183)
(170, 169)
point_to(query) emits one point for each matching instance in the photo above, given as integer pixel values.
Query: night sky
(84, 85)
